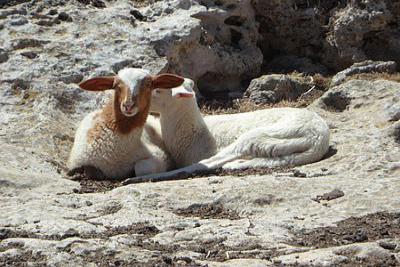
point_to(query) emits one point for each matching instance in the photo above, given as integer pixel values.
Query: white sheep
(265, 138)
(115, 141)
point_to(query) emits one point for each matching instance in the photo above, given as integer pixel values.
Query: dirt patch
(94, 186)
(367, 228)
(232, 106)
(208, 211)
(219, 104)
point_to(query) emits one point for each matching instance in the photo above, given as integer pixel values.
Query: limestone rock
(276, 87)
(364, 67)
(334, 33)
(46, 218)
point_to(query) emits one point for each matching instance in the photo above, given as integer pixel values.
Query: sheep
(115, 141)
(265, 138)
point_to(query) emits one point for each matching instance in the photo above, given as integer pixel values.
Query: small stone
(88, 203)
(75, 190)
(4, 233)
(387, 245)
(70, 233)
(71, 78)
(45, 22)
(29, 54)
(334, 194)
(19, 22)
(297, 173)
(53, 12)
(64, 17)
(335, 101)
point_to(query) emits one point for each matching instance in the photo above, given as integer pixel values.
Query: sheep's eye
(157, 91)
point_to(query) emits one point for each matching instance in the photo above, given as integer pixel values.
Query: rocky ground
(341, 211)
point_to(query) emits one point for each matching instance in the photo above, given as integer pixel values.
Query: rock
(335, 100)
(117, 66)
(47, 219)
(63, 16)
(333, 33)
(364, 67)
(221, 56)
(48, 23)
(18, 21)
(71, 78)
(53, 12)
(274, 88)
(334, 194)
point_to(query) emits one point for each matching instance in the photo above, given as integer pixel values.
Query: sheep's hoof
(88, 172)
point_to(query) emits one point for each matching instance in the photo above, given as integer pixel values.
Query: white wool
(117, 154)
(264, 138)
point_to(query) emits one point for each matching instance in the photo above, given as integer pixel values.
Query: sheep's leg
(179, 174)
(253, 144)
(150, 165)
(259, 163)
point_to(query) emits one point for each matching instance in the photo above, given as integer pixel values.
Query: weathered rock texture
(276, 87)
(256, 219)
(334, 33)
(364, 67)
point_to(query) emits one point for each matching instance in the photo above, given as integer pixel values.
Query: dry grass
(375, 76)
(213, 107)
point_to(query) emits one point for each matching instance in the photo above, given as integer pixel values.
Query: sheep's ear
(181, 92)
(99, 83)
(167, 81)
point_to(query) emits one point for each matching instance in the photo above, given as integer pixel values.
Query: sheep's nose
(128, 107)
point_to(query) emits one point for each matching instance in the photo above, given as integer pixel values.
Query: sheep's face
(135, 87)
(162, 99)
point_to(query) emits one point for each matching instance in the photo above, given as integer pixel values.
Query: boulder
(276, 87)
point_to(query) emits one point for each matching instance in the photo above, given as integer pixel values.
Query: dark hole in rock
(235, 21)
(236, 36)
(29, 54)
(139, 16)
(98, 4)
